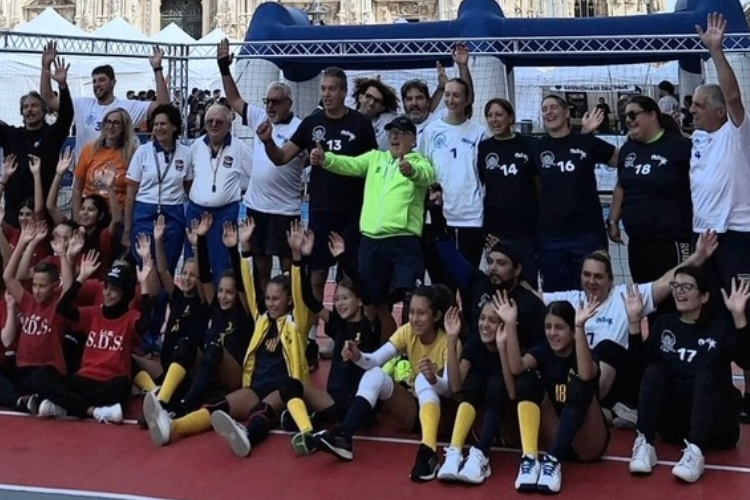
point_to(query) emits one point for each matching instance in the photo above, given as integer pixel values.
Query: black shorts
(390, 266)
(323, 223)
(612, 353)
(269, 237)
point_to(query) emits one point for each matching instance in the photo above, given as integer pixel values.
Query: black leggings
(77, 394)
(491, 392)
(704, 414)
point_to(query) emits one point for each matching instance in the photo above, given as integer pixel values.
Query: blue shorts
(323, 223)
(269, 237)
(389, 267)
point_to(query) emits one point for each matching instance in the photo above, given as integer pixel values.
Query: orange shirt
(91, 168)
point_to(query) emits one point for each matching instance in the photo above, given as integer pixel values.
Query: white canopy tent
(49, 22)
(173, 34)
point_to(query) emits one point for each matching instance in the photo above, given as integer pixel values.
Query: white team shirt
(452, 150)
(163, 185)
(669, 105)
(720, 178)
(611, 319)
(224, 170)
(272, 189)
(89, 115)
(378, 125)
(430, 118)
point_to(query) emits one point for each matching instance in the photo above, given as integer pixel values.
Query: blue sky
(670, 5)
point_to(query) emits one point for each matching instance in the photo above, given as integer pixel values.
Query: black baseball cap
(121, 277)
(403, 123)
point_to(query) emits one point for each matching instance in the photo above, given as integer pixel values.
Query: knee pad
(290, 389)
(580, 393)
(262, 411)
(213, 353)
(529, 387)
(375, 384)
(184, 353)
(426, 393)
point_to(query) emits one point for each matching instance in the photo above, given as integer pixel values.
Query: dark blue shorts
(269, 237)
(390, 266)
(323, 223)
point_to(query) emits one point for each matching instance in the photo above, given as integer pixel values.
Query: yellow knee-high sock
(429, 416)
(143, 381)
(529, 418)
(298, 410)
(172, 380)
(192, 423)
(464, 420)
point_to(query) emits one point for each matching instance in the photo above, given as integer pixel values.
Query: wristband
(224, 64)
(158, 68)
(246, 253)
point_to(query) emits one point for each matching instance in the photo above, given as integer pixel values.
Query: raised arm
(162, 92)
(437, 96)
(10, 275)
(108, 181)
(506, 309)
(191, 234)
(587, 367)
(453, 329)
(65, 307)
(24, 270)
(10, 165)
(224, 60)
(63, 166)
(5, 250)
(201, 229)
(461, 58)
(713, 39)
(143, 250)
(704, 248)
(35, 166)
(10, 328)
(45, 82)
(312, 302)
(167, 280)
(230, 238)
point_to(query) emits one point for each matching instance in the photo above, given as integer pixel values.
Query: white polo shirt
(272, 189)
(611, 319)
(378, 125)
(217, 177)
(160, 183)
(89, 115)
(720, 178)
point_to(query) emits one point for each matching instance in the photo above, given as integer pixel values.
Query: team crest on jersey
(350, 135)
(439, 141)
(179, 165)
(580, 152)
(492, 161)
(522, 156)
(662, 161)
(711, 343)
(547, 158)
(319, 133)
(90, 119)
(228, 161)
(630, 161)
(668, 341)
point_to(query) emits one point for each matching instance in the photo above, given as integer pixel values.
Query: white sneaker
(109, 414)
(692, 464)
(550, 477)
(232, 431)
(528, 474)
(157, 419)
(476, 467)
(48, 409)
(454, 459)
(644, 456)
(624, 416)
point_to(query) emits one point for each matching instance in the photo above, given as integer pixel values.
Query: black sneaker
(426, 465)
(28, 404)
(335, 443)
(745, 409)
(311, 353)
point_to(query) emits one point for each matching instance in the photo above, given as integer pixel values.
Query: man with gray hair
(274, 195)
(36, 138)
(720, 168)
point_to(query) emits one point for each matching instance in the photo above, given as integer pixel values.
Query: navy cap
(404, 123)
(121, 277)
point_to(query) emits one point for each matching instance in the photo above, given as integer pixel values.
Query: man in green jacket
(396, 184)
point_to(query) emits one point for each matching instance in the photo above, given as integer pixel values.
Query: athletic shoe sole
(226, 427)
(151, 409)
(342, 453)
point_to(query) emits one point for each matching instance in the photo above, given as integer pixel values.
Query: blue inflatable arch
(483, 19)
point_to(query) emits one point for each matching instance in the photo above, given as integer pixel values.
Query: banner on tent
(609, 87)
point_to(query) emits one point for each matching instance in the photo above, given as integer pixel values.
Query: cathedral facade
(198, 17)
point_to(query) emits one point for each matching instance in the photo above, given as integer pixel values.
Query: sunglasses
(273, 101)
(632, 115)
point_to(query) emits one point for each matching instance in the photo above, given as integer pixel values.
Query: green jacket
(394, 205)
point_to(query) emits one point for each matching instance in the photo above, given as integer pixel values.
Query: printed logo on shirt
(580, 152)
(357, 338)
(547, 159)
(35, 325)
(319, 133)
(492, 161)
(179, 165)
(350, 135)
(523, 156)
(630, 161)
(104, 340)
(668, 341)
(439, 141)
(228, 161)
(606, 321)
(711, 343)
(701, 140)
(662, 161)
(471, 143)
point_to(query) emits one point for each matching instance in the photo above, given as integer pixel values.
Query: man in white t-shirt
(668, 103)
(90, 111)
(219, 162)
(274, 194)
(720, 168)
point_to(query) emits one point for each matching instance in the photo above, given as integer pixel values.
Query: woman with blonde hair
(113, 149)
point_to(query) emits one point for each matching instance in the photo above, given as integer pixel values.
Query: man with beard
(503, 273)
(36, 138)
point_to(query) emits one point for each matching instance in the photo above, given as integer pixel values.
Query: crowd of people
(154, 249)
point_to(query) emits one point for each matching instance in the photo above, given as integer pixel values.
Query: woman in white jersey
(607, 331)
(451, 145)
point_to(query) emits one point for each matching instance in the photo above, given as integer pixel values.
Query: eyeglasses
(397, 133)
(275, 102)
(112, 123)
(682, 287)
(370, 97)
(214, 121)
(632, 115)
